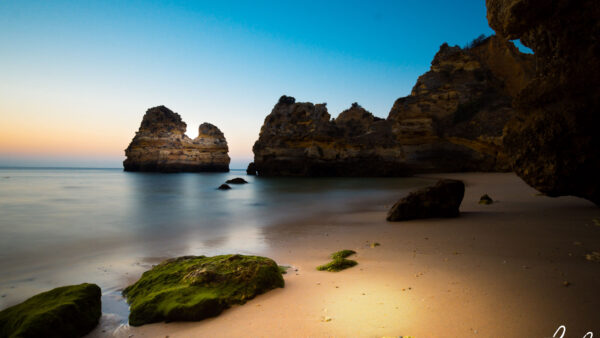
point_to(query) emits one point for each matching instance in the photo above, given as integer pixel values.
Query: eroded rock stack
(161, 145)
(300, 139)
(452, 121)
(553, 142)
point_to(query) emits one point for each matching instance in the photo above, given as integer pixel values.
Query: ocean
(61, 226)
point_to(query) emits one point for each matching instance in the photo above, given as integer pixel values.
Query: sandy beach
(515, 268)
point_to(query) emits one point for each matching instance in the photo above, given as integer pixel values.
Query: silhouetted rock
(553, 142)
(237, 180)
(251, 170)
(224, 187)
(440, 200)
(161, 145)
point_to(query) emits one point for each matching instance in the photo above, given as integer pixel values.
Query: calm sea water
(67, 226)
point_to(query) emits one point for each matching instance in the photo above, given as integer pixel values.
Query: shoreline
(498, 270)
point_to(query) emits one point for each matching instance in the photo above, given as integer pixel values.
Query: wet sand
(497, 271)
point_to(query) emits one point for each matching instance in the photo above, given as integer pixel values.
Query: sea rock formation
(454, 118)
(553, 141)
(197, 287)
(161, 145)
(300, 139)
(452, 121)
(441, 200)
(251, 170)
(68, 311)
(237, 180)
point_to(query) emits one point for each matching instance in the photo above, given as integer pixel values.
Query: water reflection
(64, 226)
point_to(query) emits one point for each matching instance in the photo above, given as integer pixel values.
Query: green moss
(376, 244)
(485, 199)
(342, 254)
(196, 287)
(339, 261)
(337, 265)
(68, 311)
(284, 268)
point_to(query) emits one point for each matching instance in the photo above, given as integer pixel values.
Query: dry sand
(496, 271)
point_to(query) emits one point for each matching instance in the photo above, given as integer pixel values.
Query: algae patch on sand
(197, 287)
(342, 254)
(68, 311)
(339, 261)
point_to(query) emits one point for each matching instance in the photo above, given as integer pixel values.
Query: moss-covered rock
(196, 287)
(68, 311)
(342, 254)
(339, 261)
(337, 265)
(486, 199)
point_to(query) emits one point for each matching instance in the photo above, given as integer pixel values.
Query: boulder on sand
(440, 200)
(196, 287)
(68, 311)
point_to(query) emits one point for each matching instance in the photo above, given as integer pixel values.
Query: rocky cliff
(161, 145)
(454, 118)
(553, 141)
(452, 121)
(301, 139)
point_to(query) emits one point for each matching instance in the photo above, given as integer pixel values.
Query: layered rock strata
(300, 139)
(452, 121)
(553, 141)
(161, 145)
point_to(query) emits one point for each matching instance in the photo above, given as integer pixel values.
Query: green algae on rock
(68, 311)
(196, 287)
(339, 261)
(486, 199)
(342, 254)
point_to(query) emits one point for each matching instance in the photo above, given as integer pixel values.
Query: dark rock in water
(251, 170)
(197, 287)
(452, 121)
(161, 145)
(440, 200)
(237, 180)
(553, 141)
(486, 199)
(68, 311)
(224, 187)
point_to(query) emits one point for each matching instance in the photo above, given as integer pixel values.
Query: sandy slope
(497, 271)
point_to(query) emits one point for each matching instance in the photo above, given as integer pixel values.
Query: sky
(76, 77)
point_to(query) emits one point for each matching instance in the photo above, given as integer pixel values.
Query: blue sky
(79, 75)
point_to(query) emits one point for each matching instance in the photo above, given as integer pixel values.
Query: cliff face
(452, 121)
(161, 145)
(300, 139)
(454, 118)
(553, 141)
